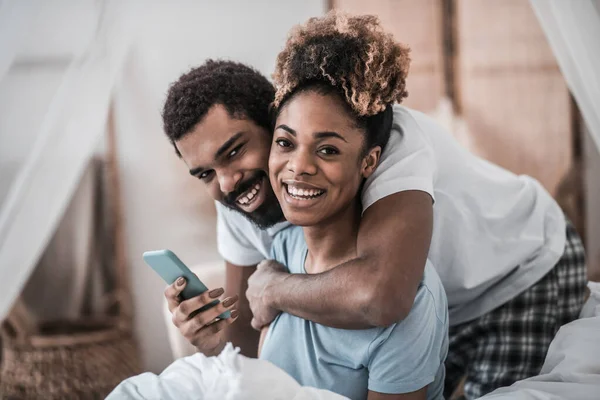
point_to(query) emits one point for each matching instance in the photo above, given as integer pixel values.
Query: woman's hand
(202, 329)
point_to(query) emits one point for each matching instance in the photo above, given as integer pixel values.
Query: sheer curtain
(573, 31)
(70, 133)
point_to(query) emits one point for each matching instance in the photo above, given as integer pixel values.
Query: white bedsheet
(571, 371)
(230, 376)
(572, 366)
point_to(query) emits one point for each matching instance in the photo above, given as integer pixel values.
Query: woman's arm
(375, 289)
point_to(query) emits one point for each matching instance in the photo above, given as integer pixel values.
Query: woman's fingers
(186, 307)
(172, 293)
(209, 336)
(206, 317)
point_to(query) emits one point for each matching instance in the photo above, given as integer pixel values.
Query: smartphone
(170, 268)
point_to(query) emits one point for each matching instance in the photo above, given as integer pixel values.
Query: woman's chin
(301, 220)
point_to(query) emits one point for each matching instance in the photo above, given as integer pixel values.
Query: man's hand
(268, 273)
(200, 329)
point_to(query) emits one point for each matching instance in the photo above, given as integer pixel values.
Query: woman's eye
(328, 151)
(283, 143)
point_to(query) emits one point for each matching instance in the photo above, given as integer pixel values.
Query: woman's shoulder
(287, 244)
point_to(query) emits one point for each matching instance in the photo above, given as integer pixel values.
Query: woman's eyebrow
(287, 129)
(327, 134)
(316, 135)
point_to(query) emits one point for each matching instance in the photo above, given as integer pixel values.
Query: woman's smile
(301, 194)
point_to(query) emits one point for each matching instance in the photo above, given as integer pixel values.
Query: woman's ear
(370, 161)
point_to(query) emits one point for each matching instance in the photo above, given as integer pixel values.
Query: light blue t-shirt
(401, 358)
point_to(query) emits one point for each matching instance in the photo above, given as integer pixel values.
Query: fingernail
(229, 301)
(180, 281)
(213, 294)
(234, 313)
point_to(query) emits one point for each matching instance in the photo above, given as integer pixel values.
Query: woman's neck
(333, 241)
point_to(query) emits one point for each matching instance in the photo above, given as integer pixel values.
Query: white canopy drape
(573, 31)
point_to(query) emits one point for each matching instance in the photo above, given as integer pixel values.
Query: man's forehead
(218, 116)
(202, 144)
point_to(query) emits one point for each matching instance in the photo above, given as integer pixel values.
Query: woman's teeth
(249, 195)
(303, 194)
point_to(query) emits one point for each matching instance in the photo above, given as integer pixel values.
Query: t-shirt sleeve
(233, 245)
(407, 162)
(407, 356)
(288, 245)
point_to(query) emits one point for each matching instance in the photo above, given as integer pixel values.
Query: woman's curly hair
(351, 53)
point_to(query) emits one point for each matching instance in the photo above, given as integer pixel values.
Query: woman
(327, 141)
(512, 266)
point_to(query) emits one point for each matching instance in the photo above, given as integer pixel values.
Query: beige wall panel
(521, 122)
(416, 23)
(511, 92)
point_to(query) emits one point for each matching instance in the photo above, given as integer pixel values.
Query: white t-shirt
(494, 233)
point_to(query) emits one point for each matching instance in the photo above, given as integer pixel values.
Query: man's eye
(283, 143)
(234, 151)
(328, 151)
(205, 174)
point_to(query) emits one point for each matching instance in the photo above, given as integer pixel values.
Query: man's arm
(377, 288)
(241, 333)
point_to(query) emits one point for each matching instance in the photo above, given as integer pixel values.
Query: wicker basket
(83, 359)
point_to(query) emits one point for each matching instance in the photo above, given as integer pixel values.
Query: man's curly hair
(352, 53)
(243, 91)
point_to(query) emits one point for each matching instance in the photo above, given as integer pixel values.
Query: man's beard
(268, 213)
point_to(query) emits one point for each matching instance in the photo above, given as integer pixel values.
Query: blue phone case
(170, 268)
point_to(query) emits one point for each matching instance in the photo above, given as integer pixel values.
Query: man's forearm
(346, 297)
(377, 288)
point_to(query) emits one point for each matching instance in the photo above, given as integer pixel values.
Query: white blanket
(571, 371)
(229, 376)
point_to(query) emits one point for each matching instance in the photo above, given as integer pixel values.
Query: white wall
(164, 206)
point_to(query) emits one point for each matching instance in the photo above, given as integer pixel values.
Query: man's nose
(229, 181)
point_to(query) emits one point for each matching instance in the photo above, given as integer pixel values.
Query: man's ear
(370, 161)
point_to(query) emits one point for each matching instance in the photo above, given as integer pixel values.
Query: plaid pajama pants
(510, 342)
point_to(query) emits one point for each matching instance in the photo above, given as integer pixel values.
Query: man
(512, 267)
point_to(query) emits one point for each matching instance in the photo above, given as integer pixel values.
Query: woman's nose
(302, 163)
